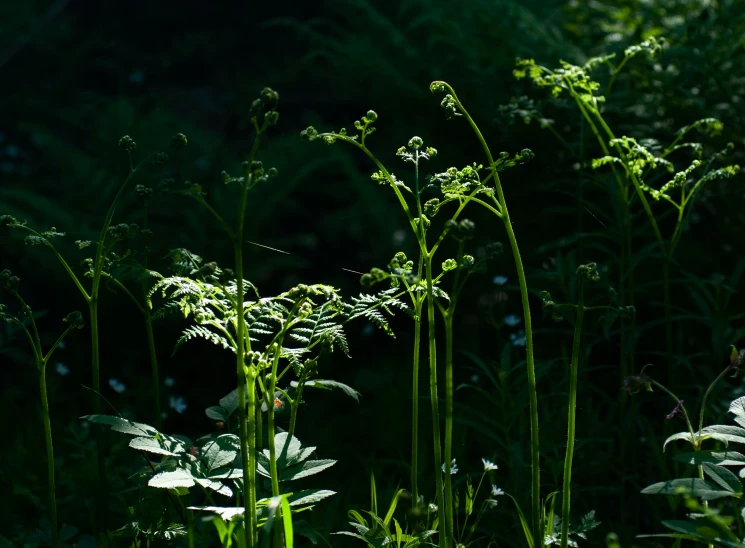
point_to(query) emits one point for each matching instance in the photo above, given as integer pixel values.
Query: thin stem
(245, 409)
(668, 316)
(101, 506)
(50, 453)
(436, 443)
(62, 261)
(415, 403)
(537, 522)
(683, 410)
(576, 349)
(448, 316)
(708, 391)
(155, 374)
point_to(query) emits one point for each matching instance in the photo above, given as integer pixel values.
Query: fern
(198, 331)
(321, 324)
(369, 306)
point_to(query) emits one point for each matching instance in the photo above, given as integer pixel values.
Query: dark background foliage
(76, 76)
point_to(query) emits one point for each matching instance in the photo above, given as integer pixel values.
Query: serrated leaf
(720, 458)
(309, 496)
(228, 472)
(738, 406)
(695, 486)
(123, 425)
(172, 479)
(220, 451)
(225, 512)
(154, 445)
(307, 468)
(215, 486)
(723, 477)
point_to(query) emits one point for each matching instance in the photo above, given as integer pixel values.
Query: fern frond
(201, 332)
(369, 306)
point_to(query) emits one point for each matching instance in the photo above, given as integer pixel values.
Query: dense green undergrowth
(496, 443)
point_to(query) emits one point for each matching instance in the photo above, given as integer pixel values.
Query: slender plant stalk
(41, 360)
(442, 524)
(155, 374)
(245, 412)
(259, 426)
(536, 513)
(154, 371)
(245, 376)
(269, 399)
(50, 453)
(706, 396)
(448, 316)
(415, 402)
(576, 349)
(668, 316)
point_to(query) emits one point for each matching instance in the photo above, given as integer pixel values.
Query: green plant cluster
(632, 183)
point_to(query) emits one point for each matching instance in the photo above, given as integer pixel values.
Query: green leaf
(159, 447)
(307, 468)
(324, 383)
(695, 486)
(725, 433)
(723, 477)
(123, 425)
(172, 479)
(225, 512)
(392, 507)
(720, 458)
(215, 486)
(230, 402)
(309, 496)
(701, 531)
(217, 413)
(737, 406)
(679, 436)
(220, 451)
(287, 522)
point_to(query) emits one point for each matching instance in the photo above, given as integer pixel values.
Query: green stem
(415, 404)
(270, 440)
(448, 316)
(576, 349)
(668, 316)
(154, 370)
(259, 426)
(50, 453)
(293, 417)
(537, 522)
(101, 506)
(245, 409)
(706, 396)
(436, 443)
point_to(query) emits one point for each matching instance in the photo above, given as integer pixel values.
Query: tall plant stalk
(572, 416)
(419, 224)
(265, 115)
(415, 401)
(91, 297)
(41, 360)
(503, 213)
